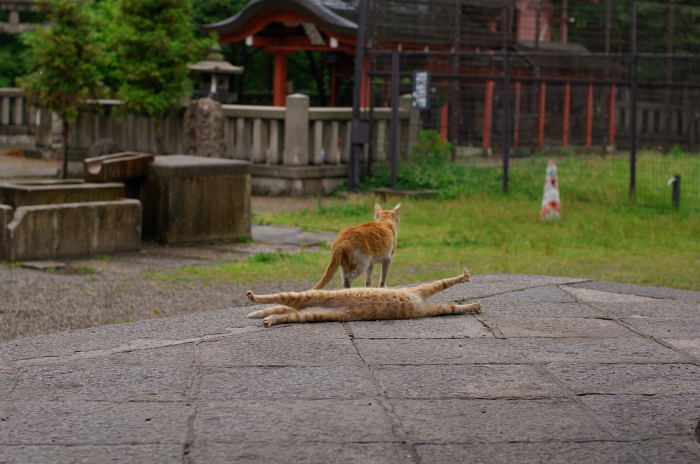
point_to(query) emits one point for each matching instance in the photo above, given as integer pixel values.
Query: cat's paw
(268, 321)
(250, 296)
(256, 314)
(466, 275)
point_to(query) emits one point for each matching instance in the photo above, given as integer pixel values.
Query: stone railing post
(296, 131)
(410, 136)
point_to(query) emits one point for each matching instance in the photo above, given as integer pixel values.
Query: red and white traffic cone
(551, 208)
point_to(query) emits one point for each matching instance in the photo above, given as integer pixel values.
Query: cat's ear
(377, 210)
(397, 208)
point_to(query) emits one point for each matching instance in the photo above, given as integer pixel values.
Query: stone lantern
(214, 77)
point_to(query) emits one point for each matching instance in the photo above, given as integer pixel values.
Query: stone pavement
(553, 370)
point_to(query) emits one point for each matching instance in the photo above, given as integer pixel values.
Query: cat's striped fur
(353, 304)
(357, 249)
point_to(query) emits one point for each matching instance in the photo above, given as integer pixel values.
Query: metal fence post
(505, 137)
(394, 116)
(633, 101)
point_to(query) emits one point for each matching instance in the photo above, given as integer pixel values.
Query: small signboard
(421, 90)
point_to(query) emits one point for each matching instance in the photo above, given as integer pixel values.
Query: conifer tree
(153, 41)
(63, 64)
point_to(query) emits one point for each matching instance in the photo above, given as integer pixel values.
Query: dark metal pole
(633, 101)
(505, 137)
(358, 138)
(394, 117)
(676, 190)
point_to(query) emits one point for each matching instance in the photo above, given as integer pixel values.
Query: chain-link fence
(588, 79)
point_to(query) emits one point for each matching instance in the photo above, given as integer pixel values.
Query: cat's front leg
(368, 275)
(271, 310)
(386, 265)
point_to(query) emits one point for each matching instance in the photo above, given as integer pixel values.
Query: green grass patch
(601, 236)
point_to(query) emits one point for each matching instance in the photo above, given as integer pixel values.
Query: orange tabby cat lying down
(352, 304)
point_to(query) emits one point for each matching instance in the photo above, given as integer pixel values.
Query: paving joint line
(396, 425)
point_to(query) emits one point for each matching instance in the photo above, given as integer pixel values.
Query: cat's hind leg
(295, 300)
(432, 288)
(368, 275)
(308, 315)
(386, 266)
(442, 309)
(271, 310)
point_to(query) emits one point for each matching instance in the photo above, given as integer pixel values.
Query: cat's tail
(338, 257)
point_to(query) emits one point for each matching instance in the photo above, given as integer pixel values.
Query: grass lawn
(600, 236)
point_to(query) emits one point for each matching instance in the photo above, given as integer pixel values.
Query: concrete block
(496, 421)
(191, 198)
(29, 193)
(74, 229)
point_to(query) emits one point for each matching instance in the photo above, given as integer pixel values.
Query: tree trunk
(160, 142)
(64, 169)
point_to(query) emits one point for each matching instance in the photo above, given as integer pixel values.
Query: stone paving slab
(597, 452)
(466, 381)
(302, 453)
(429, 327)
(109, 454)
(641, 379)
(41, 422)
(633, 417)
(321, 420)
(685, 327)
(552, 370)
(315, 382)
(539, 420)
(557, 327)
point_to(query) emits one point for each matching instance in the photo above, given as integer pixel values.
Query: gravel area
(34, 302)
(92, 291)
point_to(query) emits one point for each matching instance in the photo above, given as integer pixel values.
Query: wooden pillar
(444, 120)
(516, 119)
(541, 114)
(279, 86)
(589, 116)
(566, 117)
(488, 116)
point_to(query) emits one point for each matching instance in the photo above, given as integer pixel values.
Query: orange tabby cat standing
(357, 249)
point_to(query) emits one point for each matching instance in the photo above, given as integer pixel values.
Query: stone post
(5, 218)
(204, 128)
(410, 138)
(296, 131)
